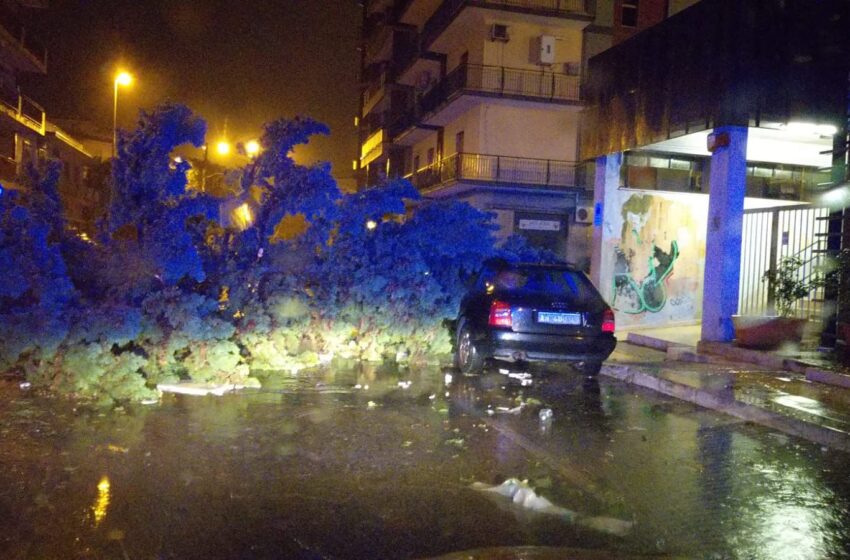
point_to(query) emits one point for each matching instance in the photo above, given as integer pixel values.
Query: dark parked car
(533, 312)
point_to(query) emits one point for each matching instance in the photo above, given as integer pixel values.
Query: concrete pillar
(607, 181)
(727, 187)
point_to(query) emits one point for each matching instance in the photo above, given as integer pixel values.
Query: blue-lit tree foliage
(166, 292)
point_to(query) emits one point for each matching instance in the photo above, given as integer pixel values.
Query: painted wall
(470, 33)
(421, 149)
(522, 50)
(512, 129)
(522, 131)
(470, 124)
(676, 6)
(649, 13)
(653, 244)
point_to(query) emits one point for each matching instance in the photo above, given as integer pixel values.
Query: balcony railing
(502, 82)
(393, 122)
(496, 169)
(449, 9)
(23, 109)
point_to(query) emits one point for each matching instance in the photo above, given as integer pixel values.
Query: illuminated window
(629, 13)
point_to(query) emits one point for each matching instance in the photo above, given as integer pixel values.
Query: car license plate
(553, 318)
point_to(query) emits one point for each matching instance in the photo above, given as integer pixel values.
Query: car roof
(501, 264)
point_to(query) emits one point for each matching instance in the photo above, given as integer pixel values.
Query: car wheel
(590, 368)
(467, 358)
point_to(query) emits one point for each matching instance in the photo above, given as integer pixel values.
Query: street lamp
(121, 79)
(252, 148)
(223, 147)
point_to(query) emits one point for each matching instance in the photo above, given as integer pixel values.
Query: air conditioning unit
(584, 214)
(499, 32)
(547, 50)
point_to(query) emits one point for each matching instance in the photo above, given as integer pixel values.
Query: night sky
(246, 61)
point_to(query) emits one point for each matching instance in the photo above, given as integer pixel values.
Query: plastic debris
(199, 389)
(514, 410)
(525, 379)
(545, 416)
(371, 404)
(405, 384)
(448, 378)
(457, 442)
(522, 495)
(25, 385)
(117, 449)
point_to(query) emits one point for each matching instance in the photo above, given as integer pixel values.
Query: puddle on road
(308, 468)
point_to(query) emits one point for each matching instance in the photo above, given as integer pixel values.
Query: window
(459, 142)
(416, 163)
(629, 13)
(430, 157)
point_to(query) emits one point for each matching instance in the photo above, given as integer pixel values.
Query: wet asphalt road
(379, 463)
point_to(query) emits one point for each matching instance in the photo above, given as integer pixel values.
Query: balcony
(507, 170)
(26, 53)
(373, 147)
(393, 122)
(499, 81)
(450, 9)
(23, 110)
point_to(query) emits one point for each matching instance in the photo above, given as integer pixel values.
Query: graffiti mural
(656, 252)
(631, 296)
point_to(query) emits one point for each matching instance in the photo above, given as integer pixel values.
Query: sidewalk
(783, 400)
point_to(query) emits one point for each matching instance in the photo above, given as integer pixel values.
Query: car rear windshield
(561, 282)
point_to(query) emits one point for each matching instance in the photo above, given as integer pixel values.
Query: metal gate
(768, 236)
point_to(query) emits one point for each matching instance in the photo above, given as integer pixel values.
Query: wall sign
(540, 225)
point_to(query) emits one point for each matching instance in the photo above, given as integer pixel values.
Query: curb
(828, 377)
(710, 352)
(753, 357)
(724, 401)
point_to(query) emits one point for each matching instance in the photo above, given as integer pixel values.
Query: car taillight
(500, 314)
(607, 321)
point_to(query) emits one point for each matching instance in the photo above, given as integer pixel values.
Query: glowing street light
(223, 147)
(252, 148)
(121, 79)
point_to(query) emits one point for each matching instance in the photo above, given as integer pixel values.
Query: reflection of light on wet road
(809, 406)
(792, 527)
(102, 503)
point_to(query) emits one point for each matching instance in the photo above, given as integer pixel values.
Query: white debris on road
(522, 495)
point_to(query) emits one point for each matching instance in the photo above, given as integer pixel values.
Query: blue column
(606, 183)
(727, 187)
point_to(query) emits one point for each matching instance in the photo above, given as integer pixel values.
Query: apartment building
(481, 100)
(26, 134)
(720, 137)
(632, 16)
